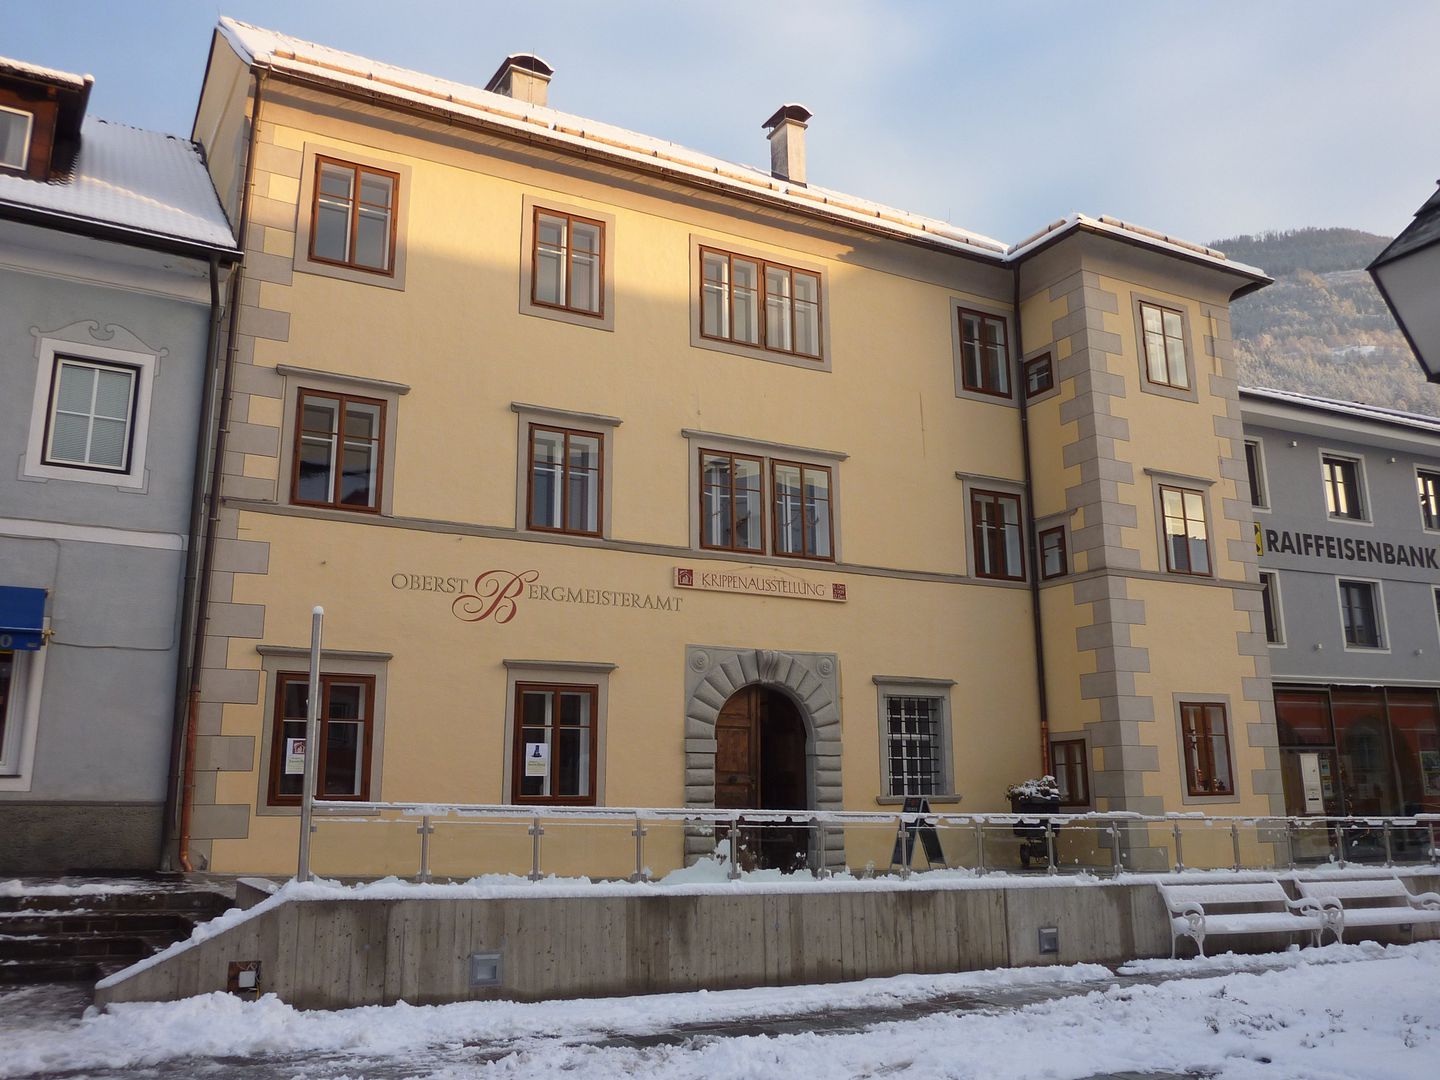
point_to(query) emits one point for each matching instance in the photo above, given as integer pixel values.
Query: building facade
(109, 238)
(1347, 505)
(631, 477)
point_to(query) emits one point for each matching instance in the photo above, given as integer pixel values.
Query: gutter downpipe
(192, 561)
(212, 519)
(1032, 537)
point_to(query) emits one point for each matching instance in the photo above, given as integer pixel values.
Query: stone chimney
(524, 77)
(787, 142)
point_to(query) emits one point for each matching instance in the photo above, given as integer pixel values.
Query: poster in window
(1327, 779)
(1310, 776)
(537, 759)
(294, 757)
(1430, 770)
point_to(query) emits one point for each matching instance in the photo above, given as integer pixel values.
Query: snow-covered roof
(1355, 409)
(132, 179)
(280, 52)
(34, 71)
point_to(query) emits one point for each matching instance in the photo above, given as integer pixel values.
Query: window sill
(946, 799)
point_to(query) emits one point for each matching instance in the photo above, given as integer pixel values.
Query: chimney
(787, 142)
(524, 77)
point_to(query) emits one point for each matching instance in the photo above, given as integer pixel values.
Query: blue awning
(22, 618)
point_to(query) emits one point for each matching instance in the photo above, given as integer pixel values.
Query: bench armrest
(1425, 901)
(1192, 911)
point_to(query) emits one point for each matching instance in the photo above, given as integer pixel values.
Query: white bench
(1201, 911)
(1357, 902)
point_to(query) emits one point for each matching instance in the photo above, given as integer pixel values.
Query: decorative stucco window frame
(1014, 369)
(1186, 799)
(606, 319)
(1190, 393)
(298, 378)
(527, 414)
(277, 658)
(17, 753)
(305, 209)
(587, 673)
(972, 482)
(755, 352)
(770, 452)
(888, 686)
(77, 342)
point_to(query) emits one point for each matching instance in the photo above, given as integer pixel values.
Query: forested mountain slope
(1322, 328)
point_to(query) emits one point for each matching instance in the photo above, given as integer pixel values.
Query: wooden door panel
(737, 745)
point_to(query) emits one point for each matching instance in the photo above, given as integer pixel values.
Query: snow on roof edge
(1357, 409)
(259, 46)
(70, 78)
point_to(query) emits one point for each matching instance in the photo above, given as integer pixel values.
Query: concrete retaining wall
(326, 954)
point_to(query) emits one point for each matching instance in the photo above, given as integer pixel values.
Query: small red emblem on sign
(684, 576)
(837, 591)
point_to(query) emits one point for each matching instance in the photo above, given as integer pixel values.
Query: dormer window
(15, 125)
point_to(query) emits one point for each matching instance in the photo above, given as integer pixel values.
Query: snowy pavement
(1344, 1011)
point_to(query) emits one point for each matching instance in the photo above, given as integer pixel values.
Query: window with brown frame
(1068, 761)
(995, 526)
(732, 516)
(347, 711)
(553, 760)
(1054, 559)
(1206, 737)
(754, 302)
(801, 510)
(353, 216)
(568, 263)
(1162, 334)
(567, 479)
(984, 356)
(339, 450)
(1039, 375)
(1187, 545)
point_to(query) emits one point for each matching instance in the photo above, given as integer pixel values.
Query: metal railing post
(1179, 851)
(536, 831)
(734, 835)
(905, 851)
(1290, 831)
(1050, 867)
(425, 830)
(1389, 853)
(312, 746)
(1340, 832)
(1115, 861)
(639, 833)
(822, 844)
(980, 845)
(1434, 854)
(1235, 843)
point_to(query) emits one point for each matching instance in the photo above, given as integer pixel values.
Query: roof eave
(96, 229)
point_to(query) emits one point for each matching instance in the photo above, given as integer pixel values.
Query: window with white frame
(1270, 603)
(9, 661)
(21, 676)
(15, 128)
(1427, 486)
(92, 414)
(1343, 497)
(1255, 471)
(1360, 615)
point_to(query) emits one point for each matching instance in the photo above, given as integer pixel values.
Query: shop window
(1270, 603)
(1360, 614)
(995, 527)
(353, 216)
(554, 756)
(92, 415)
(1054, 559)
(566, 480)
(755, 302)
(1427, 485)
(338, 451)
(1363, 739)
(1205, 743)
(1343, 497)
(1255, 471)
(1039, 376)
(1163, 339)
(1187, 546)
(568, 262)
(984, 356)
(801, 510)
(1068, 761)
(347, 709)
(1415, 730)
(15, 128)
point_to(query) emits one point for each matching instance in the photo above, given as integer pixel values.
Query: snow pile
(1363, 1011)
(16, 887)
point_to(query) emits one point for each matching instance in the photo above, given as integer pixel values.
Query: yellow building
(631, 477)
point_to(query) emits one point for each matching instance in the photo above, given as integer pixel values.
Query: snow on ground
(1361, 1011)
(17, 887)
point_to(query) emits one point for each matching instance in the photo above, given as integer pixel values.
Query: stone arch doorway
(801, 692)
(761, 758)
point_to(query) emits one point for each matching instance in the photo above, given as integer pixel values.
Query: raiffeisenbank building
(628, 476)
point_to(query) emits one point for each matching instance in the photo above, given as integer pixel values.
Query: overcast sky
(1200, 119)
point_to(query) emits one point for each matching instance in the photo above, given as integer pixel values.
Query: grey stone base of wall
(58, 837)
(324, 954)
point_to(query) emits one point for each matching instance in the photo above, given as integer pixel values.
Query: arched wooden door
(760, 762)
